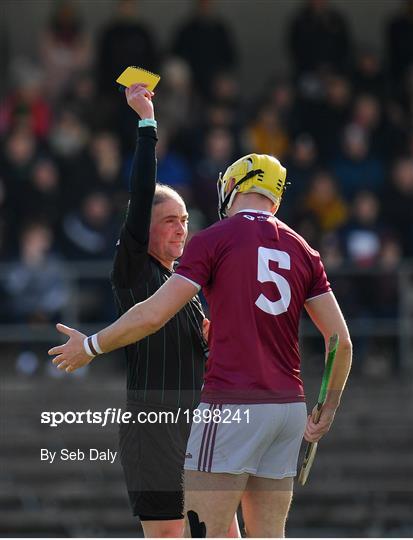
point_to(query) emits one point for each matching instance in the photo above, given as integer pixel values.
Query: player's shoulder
(289, 235)
(212, 232)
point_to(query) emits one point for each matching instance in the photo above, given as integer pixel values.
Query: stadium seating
(357, 486)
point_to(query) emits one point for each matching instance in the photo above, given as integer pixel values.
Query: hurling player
(257, 275)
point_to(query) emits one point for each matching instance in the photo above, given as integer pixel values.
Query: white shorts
(262, 439)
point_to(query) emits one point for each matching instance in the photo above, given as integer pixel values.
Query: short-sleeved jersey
(256, 274)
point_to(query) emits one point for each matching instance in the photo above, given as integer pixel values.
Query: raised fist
(139, 98)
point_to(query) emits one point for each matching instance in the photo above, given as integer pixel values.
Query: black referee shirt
(165, 368)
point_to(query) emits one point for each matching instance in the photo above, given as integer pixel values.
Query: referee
(165, 370)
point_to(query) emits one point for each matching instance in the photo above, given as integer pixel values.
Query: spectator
(80, 97)
(177, 103)
(219, 147)
(367, 115)
(69, 140)
(107, 168)
(224, 108)
(319, 39)
(36, 287)
(400, 44)
(20, 152)
(407, 97)
(307, 226)
(301, 164)
(4, 57)
(220, 115)
(267, 135)
(213, 116)
(362, 243)
(25, 106)
(69, 135)
(329, 118)
(124, 42)
(6, 228)
(40, 199)
(282, 97)
(362, 235)
(398, 206)
(356, 166)
(64, 48)
(368, 74)
(172, 168)
(388, 297)
(324, 201)
(396, 128)
(225, 90)
(409, 144)
(204, 41)
(90, 232)
(332, 254)
(387, 300)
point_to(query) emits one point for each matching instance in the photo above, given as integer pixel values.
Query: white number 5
(265, 255)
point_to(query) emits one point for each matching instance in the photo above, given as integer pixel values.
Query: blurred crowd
(341, 121)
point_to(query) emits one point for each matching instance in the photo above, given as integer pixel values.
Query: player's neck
(251, 201)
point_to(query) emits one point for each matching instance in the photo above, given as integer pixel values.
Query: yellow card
(133, 75)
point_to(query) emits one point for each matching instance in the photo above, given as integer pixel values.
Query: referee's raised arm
(143, 174)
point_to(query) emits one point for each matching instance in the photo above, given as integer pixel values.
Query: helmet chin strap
(224, 204)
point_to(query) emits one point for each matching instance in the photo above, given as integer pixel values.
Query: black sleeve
(142, 186)
(132, 247)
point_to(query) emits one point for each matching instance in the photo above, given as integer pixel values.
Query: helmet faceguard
(254, 173)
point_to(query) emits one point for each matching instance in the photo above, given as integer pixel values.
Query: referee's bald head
(163, 192)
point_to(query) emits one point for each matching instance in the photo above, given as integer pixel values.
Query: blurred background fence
(378, 303)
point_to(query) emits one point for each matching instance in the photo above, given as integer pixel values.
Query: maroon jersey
(256, 274)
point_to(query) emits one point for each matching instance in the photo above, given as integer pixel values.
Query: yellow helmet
(254, 173)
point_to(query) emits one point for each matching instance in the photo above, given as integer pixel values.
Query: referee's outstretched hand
(71, 355)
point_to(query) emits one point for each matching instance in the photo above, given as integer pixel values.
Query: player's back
(256, 274)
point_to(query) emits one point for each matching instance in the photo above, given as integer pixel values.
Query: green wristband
(148, 122)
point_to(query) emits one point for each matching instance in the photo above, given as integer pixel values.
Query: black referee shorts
(152, 457)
